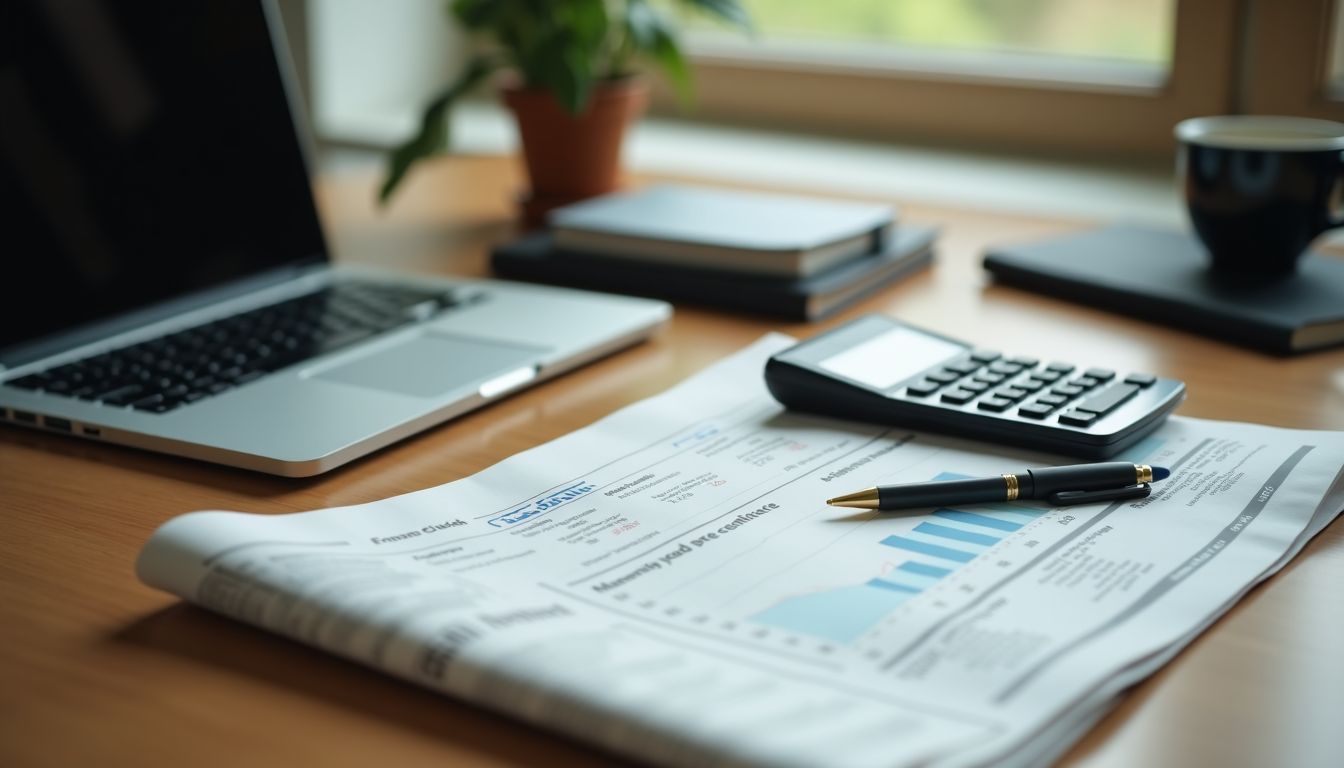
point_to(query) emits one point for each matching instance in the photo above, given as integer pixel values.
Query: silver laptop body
(486, 340)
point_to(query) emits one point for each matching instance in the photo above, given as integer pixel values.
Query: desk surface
(97, 669)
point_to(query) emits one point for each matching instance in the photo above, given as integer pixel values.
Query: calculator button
(1100, 374)
(1106, 400)
(990, 378)
(1029, 385)
(1011, 393)
(1086, 382)
(944, 376)
(974, 386)
(963, 366)
(995, 404)
(1035, 410)
(1054, 401)
(985, 355)
(1060, 368)
(1141, 379)
(958, 396)
(1047, 375)
(923, 388)
(1004, 367)
(1025, 362)
(1077, 418)
(1068, 390)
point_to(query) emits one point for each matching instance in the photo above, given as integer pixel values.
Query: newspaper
(668, 583)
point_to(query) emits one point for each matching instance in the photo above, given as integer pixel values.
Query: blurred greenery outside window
(1100, 77)
(1123, 32)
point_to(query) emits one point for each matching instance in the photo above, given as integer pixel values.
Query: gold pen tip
(865, 499)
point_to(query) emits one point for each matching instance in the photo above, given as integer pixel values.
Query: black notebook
(1163, 275)
(534, 258)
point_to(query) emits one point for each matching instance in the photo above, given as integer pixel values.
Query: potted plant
(574, 87)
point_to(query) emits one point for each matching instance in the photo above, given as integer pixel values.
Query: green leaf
(562, 68)
(585, 21)
(433, 133)
(653, 35)
(555, 44)
(667, 52)
(579, 75)
(477, 14)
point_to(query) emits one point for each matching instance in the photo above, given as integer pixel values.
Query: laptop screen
(147, 151)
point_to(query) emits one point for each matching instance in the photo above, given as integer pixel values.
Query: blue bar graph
(997, 523)
(932, 550)
(921, 569)
(884, 584)
(957, 534)
(841, 614)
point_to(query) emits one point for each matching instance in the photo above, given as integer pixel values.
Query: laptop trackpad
(429, 366)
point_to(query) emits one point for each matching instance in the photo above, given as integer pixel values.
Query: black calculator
(876, 369)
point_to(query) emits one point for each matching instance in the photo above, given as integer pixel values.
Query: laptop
(170, 287)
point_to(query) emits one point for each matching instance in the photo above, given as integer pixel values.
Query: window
(1089, 76)
(1098, 77)
(1077, 40)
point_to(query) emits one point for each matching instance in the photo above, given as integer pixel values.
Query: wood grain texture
(96, 669)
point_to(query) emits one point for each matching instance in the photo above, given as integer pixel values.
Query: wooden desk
(96, 669)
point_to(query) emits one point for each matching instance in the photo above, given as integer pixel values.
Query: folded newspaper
(668, 583)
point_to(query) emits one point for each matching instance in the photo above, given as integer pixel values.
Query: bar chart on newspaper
(813, 581)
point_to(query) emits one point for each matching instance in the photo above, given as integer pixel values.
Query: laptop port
(91, 431)
(54, 423)
(25, 417)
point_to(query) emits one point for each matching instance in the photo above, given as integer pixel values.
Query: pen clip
(1069, 498)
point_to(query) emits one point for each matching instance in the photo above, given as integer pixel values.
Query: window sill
(966, 179)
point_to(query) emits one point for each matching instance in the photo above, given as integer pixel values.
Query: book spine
(667, 287)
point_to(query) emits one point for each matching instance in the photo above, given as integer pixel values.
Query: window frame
(1006, 111)
(1287, 54)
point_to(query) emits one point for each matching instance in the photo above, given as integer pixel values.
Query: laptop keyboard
(180, 368)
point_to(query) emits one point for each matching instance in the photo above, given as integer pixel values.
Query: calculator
(876, 369)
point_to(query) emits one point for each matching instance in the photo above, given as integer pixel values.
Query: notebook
(161, 217)
(796, 298)
(1163, 276)
(717, 229)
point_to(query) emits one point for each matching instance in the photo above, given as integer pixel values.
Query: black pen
(1076, 484)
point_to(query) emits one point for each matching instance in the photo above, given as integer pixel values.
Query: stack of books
(792, 257)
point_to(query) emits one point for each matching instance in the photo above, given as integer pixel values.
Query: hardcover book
(717, 229)
(535, 258)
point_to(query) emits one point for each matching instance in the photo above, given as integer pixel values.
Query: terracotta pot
(572, 157)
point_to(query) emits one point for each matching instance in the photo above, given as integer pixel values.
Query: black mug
(1259, 188)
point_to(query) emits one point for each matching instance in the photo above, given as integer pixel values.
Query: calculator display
(890, 357)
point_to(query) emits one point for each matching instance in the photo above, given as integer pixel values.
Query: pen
(1075, 484)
